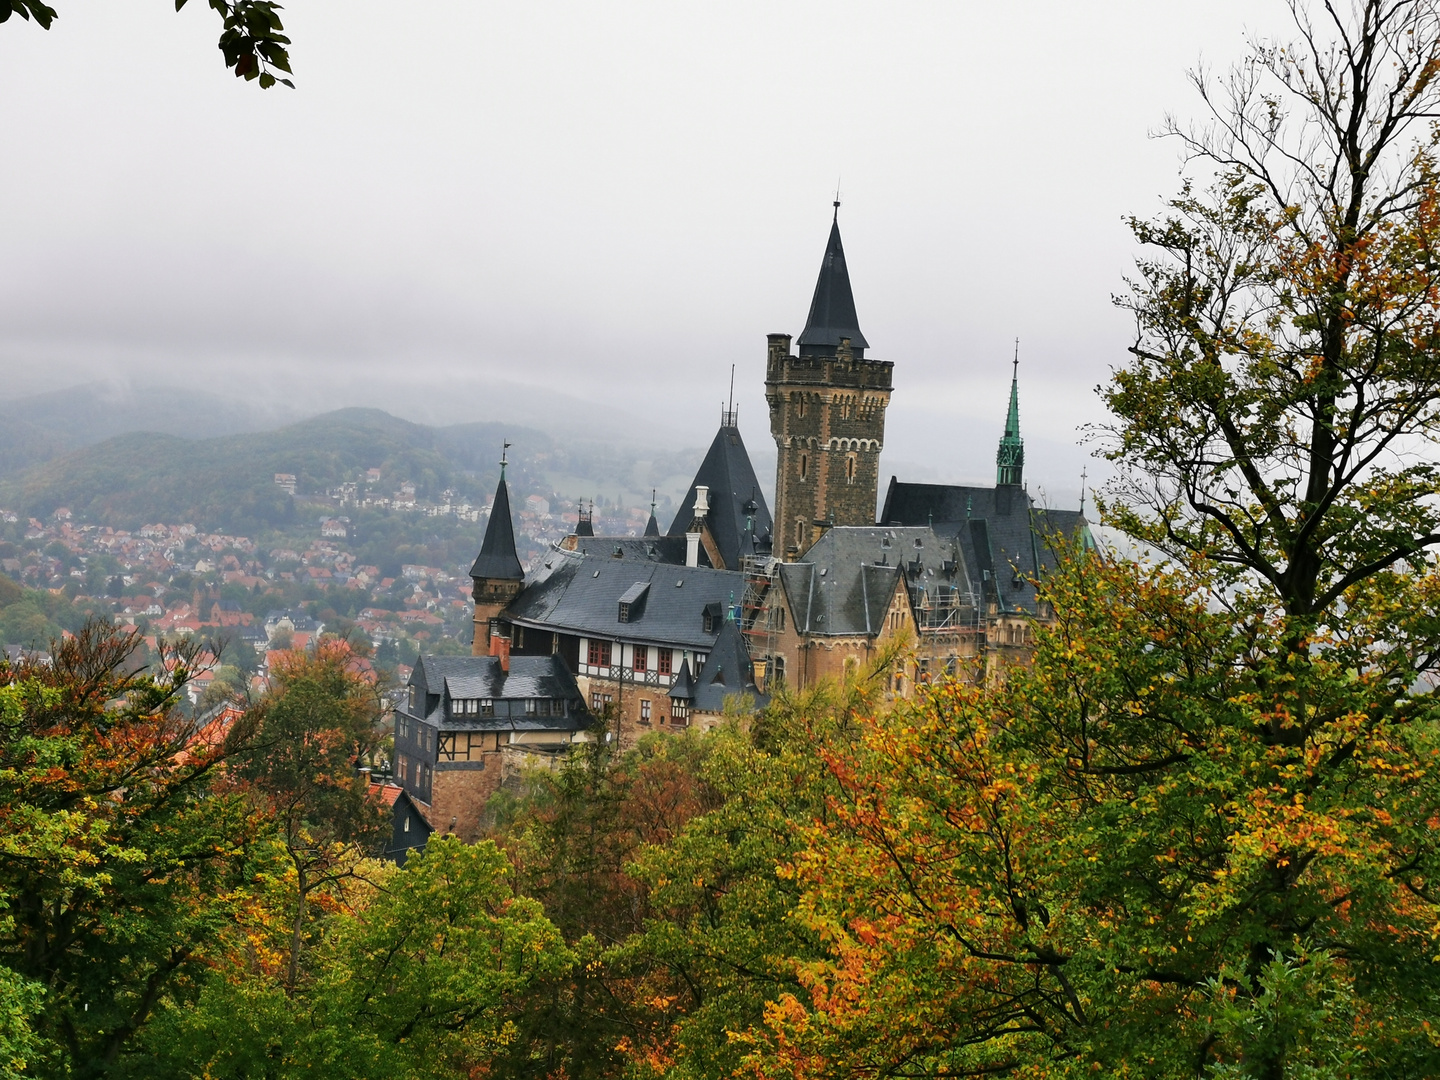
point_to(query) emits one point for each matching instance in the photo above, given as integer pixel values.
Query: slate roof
(684, 686)
(652, 527)
(848, 600)
(843, 584)
(735, 499)
(580, 594)
(461, 677)
(832, 309)
(727, 671)
(661, 549)
(1001, 534)
(497, 558)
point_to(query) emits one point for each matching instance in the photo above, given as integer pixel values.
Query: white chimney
(692, 549)
(702, 500)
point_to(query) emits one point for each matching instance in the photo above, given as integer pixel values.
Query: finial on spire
(1015, 364)
(1084, 474)
(837, 198)
(652, 501)
(504, 455)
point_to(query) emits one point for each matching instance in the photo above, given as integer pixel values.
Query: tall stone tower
(497, 574)
(827, 414)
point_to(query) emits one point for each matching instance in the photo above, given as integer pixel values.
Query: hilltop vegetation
(226, 484)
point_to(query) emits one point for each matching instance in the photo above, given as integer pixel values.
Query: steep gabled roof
(832, 310)
(1004, 539)
(735, 498)
(727, 672)
(497, 559)
(683, 687)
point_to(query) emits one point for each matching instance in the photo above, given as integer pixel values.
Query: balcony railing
(617, 673)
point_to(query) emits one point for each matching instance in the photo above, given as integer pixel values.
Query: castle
(609, 637)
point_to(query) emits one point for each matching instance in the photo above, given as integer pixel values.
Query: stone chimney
(500, 646)
(692, 535)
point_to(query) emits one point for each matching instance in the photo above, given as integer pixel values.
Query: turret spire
(497, 560)
(832, 310)
(1010, 458)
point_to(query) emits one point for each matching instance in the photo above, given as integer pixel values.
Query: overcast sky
(586, 212)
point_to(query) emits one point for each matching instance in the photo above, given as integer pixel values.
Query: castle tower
(1010, 458)
(497, 573)
(827, 414)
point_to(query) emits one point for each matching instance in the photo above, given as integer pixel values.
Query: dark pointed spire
(585, 519)
(832, 311)
(652, 527)
(1010, 458)
(497, 560)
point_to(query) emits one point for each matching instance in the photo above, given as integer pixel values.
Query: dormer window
(632, 601)
(412, 699)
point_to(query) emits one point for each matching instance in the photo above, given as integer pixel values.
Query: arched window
(800, 532)
(804, 465)
(850, 469)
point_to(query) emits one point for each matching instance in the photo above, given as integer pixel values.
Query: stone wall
(827, 416)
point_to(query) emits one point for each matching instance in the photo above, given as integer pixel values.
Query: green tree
(119, 865)
(313, 728)
(252, 39)
(427, 973)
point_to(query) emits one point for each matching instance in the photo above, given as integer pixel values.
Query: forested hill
(228, 483)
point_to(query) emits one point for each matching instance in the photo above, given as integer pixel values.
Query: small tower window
(850, 468)
(800, 405)
(804, 465)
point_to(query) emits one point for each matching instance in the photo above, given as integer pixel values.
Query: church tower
(827, 414)
(497, 573)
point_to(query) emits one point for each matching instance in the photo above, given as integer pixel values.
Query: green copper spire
(1010, 459)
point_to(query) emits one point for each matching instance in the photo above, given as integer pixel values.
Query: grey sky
(587, 212)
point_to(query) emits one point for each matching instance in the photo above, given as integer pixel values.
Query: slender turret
(1010, 458)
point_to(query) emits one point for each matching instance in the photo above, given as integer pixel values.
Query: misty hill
(39, 427)
(227, 483)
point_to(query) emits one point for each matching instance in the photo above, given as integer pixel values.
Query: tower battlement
(827, 415)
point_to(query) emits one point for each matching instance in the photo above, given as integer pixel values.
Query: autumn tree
(1196, 837)
(319, 719)
(119, 864)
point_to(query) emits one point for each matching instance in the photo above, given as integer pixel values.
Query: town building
(461, 714)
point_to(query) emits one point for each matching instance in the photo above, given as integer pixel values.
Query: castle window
(850, 469)
(663, 661)
(487, 707)
(804, 465)
(641, 655)
(707, 623)
(531, 706)
(412, 699)
(598, 655)
(679, 710)
(800, 405)
(644, 710)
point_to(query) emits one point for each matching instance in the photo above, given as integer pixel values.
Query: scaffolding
(757, 621)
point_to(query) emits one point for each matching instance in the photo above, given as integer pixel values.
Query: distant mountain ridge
(226, 483)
